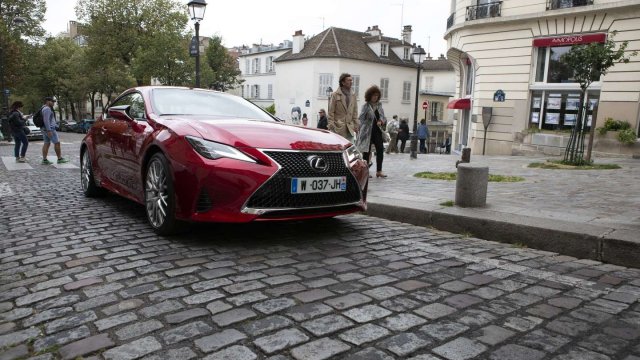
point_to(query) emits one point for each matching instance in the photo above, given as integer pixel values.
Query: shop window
(550, 68)
(558, 110)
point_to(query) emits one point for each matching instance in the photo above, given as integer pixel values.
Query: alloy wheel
(156, 193)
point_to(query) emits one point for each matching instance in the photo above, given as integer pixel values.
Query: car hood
(260, 134)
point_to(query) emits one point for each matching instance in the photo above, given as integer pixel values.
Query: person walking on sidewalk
(322, 123)
(403, 134)
(343, 109)
(423, 134)
(49, 134)
(18, 126)
(392, 129)
(372, 120)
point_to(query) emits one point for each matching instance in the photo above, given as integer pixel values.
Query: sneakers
(21, 160)
(62, 161)
(46, 162)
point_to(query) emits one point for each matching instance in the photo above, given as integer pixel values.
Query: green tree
(589, 63)
(133, 32)
(224, 69)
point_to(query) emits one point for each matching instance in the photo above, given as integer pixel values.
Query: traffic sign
(425, 105)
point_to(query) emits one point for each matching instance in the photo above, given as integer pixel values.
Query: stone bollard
(471, 185)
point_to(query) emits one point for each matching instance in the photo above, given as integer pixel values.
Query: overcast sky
(244, 22)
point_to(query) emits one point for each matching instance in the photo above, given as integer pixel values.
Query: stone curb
(586, 241)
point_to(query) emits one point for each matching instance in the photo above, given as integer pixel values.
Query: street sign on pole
(425, 105)
(193, 47)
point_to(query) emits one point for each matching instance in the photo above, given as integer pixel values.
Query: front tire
(159, 196)
(89, 187)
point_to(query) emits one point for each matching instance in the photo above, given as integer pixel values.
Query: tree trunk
(592, 132)
(92, 97)
(573, 154)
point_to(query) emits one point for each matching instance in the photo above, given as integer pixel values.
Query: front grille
(276, 192)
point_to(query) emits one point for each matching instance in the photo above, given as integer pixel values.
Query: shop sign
(570, 40)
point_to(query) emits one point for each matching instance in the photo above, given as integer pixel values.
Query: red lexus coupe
(193, 155)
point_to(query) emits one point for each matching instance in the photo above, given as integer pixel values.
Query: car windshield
(173, 101)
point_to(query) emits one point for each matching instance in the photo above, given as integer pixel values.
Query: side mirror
(120, 112)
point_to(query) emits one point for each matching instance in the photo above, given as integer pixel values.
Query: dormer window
(407, 53)
(384, 49)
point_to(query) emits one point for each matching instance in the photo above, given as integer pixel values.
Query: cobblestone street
(87, 278)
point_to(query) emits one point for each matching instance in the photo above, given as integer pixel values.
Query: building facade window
(384, 49)
(324, 82)
(406, 91)
(428, 83)
(247, 66)
(256, 66)
(407, 53)
(436, 110)
(255, 91)
(384, 89)
(270, 91)
(558, 109)
(270, 67)
(356, 85)
(469, 76)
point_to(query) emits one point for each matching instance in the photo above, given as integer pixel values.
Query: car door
(132, 138)
(112, 155)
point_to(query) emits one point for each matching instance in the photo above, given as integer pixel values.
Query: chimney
(428, 57)
(406, 34)
(298, 42)
(374, 31)
(442, 57)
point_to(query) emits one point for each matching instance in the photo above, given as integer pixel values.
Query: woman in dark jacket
(403, 134)
(17, 125)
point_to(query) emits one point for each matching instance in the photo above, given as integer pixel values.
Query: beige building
(515, 46)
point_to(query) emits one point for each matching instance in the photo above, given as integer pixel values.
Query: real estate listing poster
(535, 117)
(572, 104)
(552, 118)
(536, 103)
(570, 119)
(554, 103)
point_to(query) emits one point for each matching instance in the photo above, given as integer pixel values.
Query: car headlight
(353, 154)
(213, 150)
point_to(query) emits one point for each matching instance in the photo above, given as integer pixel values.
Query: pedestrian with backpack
(49, 132)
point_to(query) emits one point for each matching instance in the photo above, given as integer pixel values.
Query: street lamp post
(328, 92)
(196, 11)
(417, 52)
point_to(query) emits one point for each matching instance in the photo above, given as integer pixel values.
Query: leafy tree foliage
(135, 33)
(589, 63)
(224, 70)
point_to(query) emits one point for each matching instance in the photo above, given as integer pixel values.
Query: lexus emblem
(317, 163)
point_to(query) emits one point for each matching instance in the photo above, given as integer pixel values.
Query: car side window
(137, 107)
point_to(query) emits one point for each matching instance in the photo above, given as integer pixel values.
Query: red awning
(464, 103)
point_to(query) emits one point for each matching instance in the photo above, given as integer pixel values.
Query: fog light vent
(204, 202)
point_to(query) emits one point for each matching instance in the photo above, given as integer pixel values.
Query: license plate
(318, 185)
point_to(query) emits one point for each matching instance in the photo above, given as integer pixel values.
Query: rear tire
(159, 196)
(87, 180)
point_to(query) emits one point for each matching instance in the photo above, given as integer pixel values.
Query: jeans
(423, 148)
(21, 139)
(376, 140)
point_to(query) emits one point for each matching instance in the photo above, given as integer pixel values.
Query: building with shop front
(507, 56)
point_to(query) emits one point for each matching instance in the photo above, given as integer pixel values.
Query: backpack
(38, 120)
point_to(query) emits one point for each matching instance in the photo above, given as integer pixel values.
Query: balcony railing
(450, 20)
(563, 4)
(482, 11)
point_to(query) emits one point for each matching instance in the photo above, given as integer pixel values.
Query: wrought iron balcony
(450, 20)
(563, 4)
(482, 11)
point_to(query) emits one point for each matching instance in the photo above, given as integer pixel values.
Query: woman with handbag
(371, 131)
(19, 131)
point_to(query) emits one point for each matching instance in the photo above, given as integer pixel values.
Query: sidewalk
(592, 214)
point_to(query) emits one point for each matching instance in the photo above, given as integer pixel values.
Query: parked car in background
(34, 132)
(85, 124)
(69, 126)
(195, 155)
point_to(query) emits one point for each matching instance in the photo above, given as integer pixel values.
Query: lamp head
(329, 91)
(196, 9)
